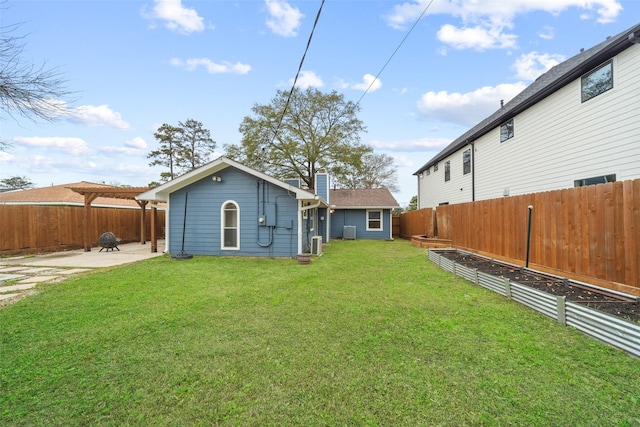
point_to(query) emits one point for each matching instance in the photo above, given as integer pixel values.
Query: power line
(395, 51)
(286, 106)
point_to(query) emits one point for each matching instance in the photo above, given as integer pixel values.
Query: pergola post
(88, 198)
(92, 193)
(143, 221)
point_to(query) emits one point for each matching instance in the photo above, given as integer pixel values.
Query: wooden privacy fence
(592, 232)
(36, 228)
(417, 223)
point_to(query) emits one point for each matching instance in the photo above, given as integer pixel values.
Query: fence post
(507, 287)
(562, 316)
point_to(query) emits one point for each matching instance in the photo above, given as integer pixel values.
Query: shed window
(466, 162)
(506, 131)
(597, 81)
(374, 220)
(447, 170)
(230, 225)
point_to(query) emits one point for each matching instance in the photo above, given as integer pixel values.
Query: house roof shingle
(63, 195)
(362, 198)
(548, 83)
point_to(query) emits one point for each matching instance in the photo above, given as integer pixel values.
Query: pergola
(128, 193)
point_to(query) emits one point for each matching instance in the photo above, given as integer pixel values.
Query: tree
(413, 204)
(16, 183)
(196, 145)
(372, 171)
(183, 148)
(296, 137)
(167, 154)
(27, 90)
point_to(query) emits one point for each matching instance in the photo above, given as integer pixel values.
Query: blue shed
(226, 208)
(361, 214)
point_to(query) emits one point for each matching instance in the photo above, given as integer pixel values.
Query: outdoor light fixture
(216, 178)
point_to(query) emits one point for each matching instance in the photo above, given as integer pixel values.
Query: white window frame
(223, 217)
(381, 219)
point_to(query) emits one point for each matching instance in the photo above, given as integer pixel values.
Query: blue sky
(134, 65)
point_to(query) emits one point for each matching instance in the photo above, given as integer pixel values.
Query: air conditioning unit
(316, 245)
(349, 232)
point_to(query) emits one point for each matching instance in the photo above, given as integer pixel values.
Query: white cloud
(97, 115)
(5, 157)
(411, 145)
(369, 82)
(225, 67)
(69, 145)
(283, 19)
(134, 147)
(308, 79)
(402, 161)
(137, 143)
(487, 19)
(532, 65)
(477, 37)
(177, 17)
(466, 108)
(547, 33)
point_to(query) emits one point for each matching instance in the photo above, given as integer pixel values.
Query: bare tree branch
(27, 90)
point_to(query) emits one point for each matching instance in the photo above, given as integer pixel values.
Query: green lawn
(371, 333)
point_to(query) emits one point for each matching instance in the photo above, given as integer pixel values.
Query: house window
(597, 81)
(506, 131)
(447, 170)
(595, 180)
(230, 225)
(466, 162)
(374, 220)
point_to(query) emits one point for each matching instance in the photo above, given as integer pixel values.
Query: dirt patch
(627, 308)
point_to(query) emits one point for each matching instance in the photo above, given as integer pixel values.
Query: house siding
(556, 141)
(203, 219)
(434, 190)
(358, 218)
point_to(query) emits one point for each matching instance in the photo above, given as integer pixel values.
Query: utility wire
(286, 106)
(395, 51)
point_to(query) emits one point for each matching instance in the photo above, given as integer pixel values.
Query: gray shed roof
(363, 198)
(548, 83)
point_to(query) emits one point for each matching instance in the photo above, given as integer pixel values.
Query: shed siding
(557, 141)
(358, 218)
(203, 219)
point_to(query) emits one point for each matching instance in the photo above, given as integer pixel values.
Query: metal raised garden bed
(609, 316)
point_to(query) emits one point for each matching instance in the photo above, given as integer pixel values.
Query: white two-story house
(577, 124)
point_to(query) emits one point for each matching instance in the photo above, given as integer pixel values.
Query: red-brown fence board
(416, 223)
(33, 228)
(591, 231)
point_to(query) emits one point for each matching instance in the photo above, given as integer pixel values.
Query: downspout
(473, 171)
(634, 38)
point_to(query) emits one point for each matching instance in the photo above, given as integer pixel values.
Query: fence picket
(592, 232)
